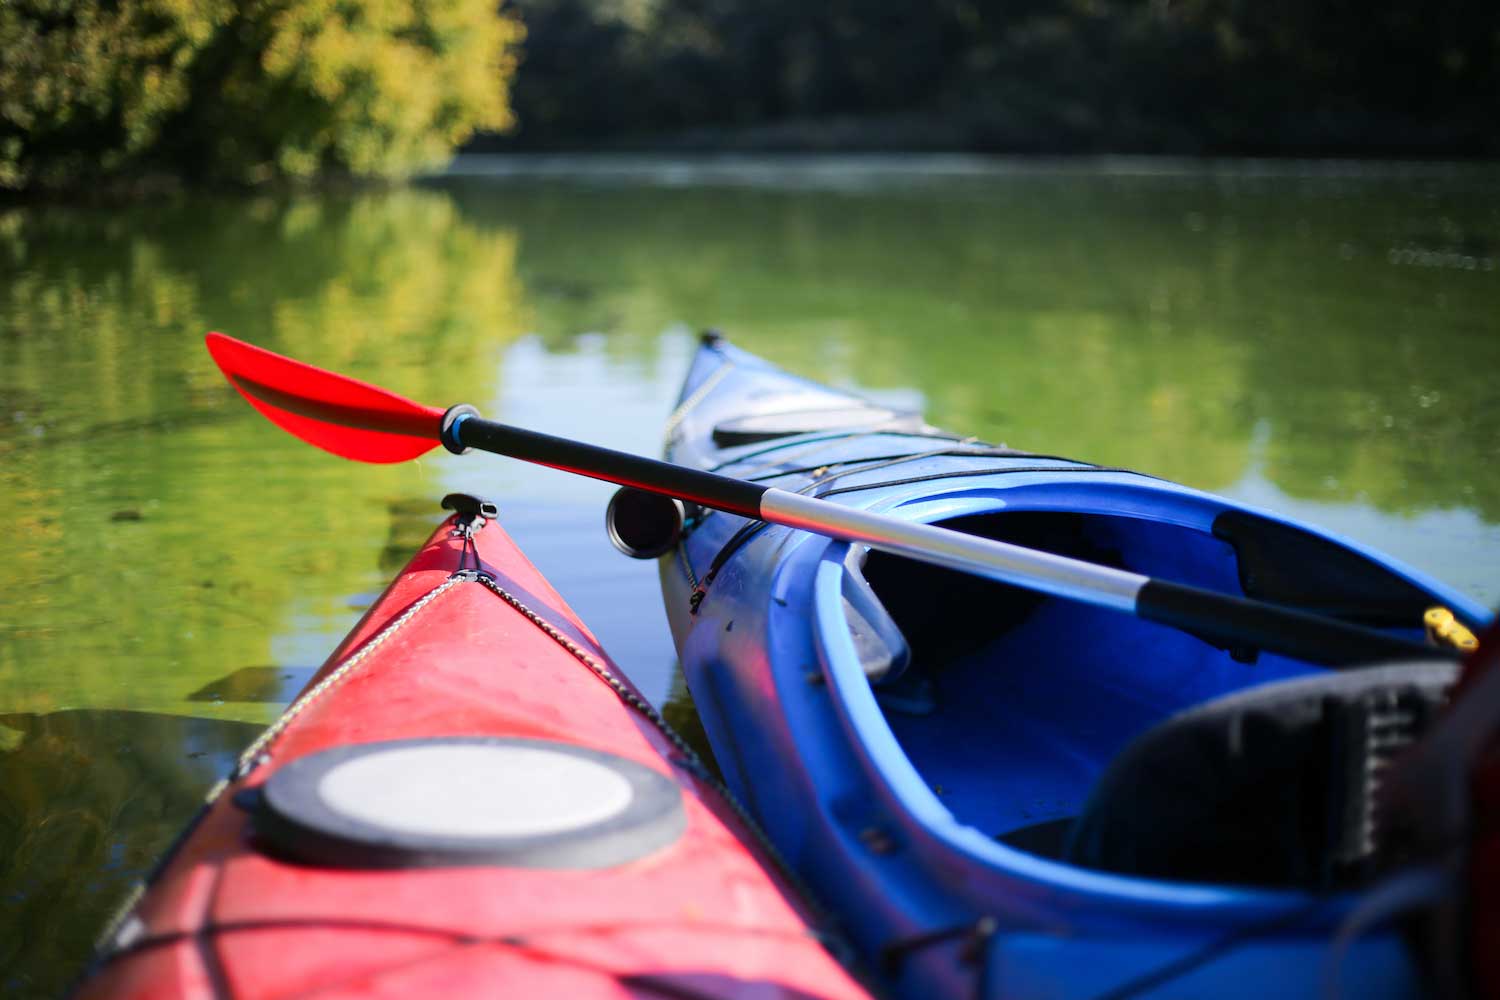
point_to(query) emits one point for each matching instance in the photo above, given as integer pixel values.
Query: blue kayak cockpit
(1010, 795)
(1098, 739)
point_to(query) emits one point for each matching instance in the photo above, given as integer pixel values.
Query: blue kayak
(1009, 794)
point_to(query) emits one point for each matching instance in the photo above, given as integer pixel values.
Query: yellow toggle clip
(1445, 630)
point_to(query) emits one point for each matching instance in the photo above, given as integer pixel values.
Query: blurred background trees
(255, 90)
(1194, 77)
(245, 90)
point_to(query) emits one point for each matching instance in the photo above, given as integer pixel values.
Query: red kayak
(469, 800)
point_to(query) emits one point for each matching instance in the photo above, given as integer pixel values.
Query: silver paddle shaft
(1029, 568)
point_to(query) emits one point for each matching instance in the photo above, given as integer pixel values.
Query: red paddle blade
(350, 418)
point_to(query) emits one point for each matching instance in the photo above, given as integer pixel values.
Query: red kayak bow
(468, 800)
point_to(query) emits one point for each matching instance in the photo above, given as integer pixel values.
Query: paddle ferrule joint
(453, 419)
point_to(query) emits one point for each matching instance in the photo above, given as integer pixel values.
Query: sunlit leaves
(246, 91)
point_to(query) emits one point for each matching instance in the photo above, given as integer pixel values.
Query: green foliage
(85, 87)
(245, 90)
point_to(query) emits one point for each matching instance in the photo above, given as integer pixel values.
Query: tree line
(247, 91)
(1194, 77)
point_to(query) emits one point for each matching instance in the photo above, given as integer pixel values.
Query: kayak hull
(492, 655)
(896, 828)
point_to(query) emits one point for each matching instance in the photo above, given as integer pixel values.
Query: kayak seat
(1275, 785)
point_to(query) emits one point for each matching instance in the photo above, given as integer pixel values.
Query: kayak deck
(472, 643)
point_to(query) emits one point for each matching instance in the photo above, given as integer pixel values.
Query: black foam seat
(1271, 786)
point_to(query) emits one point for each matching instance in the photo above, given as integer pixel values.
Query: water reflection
(88, 800)
(272, 684)
(1149, 321)
(135, 483)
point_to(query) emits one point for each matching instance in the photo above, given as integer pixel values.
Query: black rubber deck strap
(706, 488)
(1238, 621)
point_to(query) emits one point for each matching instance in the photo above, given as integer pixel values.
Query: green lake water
(1320, 340)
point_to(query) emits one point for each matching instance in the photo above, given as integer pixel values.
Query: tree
(245, 90)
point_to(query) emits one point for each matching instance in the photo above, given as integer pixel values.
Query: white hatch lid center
(475, 790)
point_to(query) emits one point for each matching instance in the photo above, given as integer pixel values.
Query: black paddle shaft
(1299, 634)
(463, 428)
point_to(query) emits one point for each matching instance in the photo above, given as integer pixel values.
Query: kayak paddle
(359, 421)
